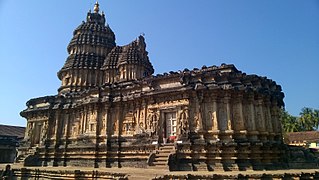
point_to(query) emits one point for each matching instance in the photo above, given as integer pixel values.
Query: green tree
(289, 123)
(309, 119)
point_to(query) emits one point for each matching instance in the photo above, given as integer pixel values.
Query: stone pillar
(57, 134)
(228, 117)
(224, 119)
(268, 119)
(275, 120)
(238, 116)
(138, 127)
(161, 127)
(109, 131)
(115, 123)
(252, 132)
(81, 121)
(192, 112)
(66, 135)
(144, 109)
(277, 153)
(57, 126)
(27, 134)
(106, 120)
(66, 124)
(261, 124)
(85, 113)
(214, 114)
(214, 117)
(200, 110)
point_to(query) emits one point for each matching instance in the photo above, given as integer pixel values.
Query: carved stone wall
(111, 110)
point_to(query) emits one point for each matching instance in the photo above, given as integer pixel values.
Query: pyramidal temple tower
(111, 111)
(94, 58)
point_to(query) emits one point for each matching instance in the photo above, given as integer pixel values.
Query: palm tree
(309, 119)
(290, 123)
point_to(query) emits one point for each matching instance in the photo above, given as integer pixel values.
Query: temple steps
(31, 151)
(162, 156)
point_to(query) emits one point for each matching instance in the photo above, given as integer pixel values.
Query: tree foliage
(307, 121)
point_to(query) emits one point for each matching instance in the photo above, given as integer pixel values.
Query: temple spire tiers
(91, 42)
(111, 111)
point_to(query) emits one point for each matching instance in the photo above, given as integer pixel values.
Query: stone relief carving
(114, 127)
(44, 131)
(211, 118)
(129, 124)
(197, 121)
(183, 121)
(152, 121)
(93, 116)
(30, 128)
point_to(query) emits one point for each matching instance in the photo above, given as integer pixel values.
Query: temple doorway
(170, 127)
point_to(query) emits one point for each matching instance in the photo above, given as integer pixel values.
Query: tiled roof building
(10, 136)
(302, 138)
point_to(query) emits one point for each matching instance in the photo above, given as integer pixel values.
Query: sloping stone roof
(309, 136)
(17, 131)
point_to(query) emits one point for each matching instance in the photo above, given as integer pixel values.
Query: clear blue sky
(277, 39)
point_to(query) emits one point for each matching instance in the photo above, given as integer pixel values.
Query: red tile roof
(309, 136)
(6, 130)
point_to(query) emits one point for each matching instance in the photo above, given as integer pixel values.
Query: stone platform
(21, 172)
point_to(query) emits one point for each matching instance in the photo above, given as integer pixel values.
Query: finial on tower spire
(96, 7)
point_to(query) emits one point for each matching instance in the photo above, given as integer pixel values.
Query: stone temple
(111, 111)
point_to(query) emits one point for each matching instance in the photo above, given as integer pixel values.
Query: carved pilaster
(268, 116)
(106, 120)
(214, 113)
(66, 123)
(115, 124)
(252, 129)
(228, 117)
(238, 113)
(81, 129)
(238, 117)
(260, 115)
(275, 119)
(85, 112)
(199, 111)
(57, 126)
(192, 112)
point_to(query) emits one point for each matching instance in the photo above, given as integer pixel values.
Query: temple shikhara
(112, 111)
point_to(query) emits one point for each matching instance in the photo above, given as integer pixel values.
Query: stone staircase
(30, 152)
(162, 155)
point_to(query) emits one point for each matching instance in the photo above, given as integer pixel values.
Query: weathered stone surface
(112, 112)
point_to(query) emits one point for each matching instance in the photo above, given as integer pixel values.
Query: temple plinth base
(226, 135)
(252, 135)
(240, 135)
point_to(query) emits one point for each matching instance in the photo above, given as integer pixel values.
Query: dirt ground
(141, 174)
